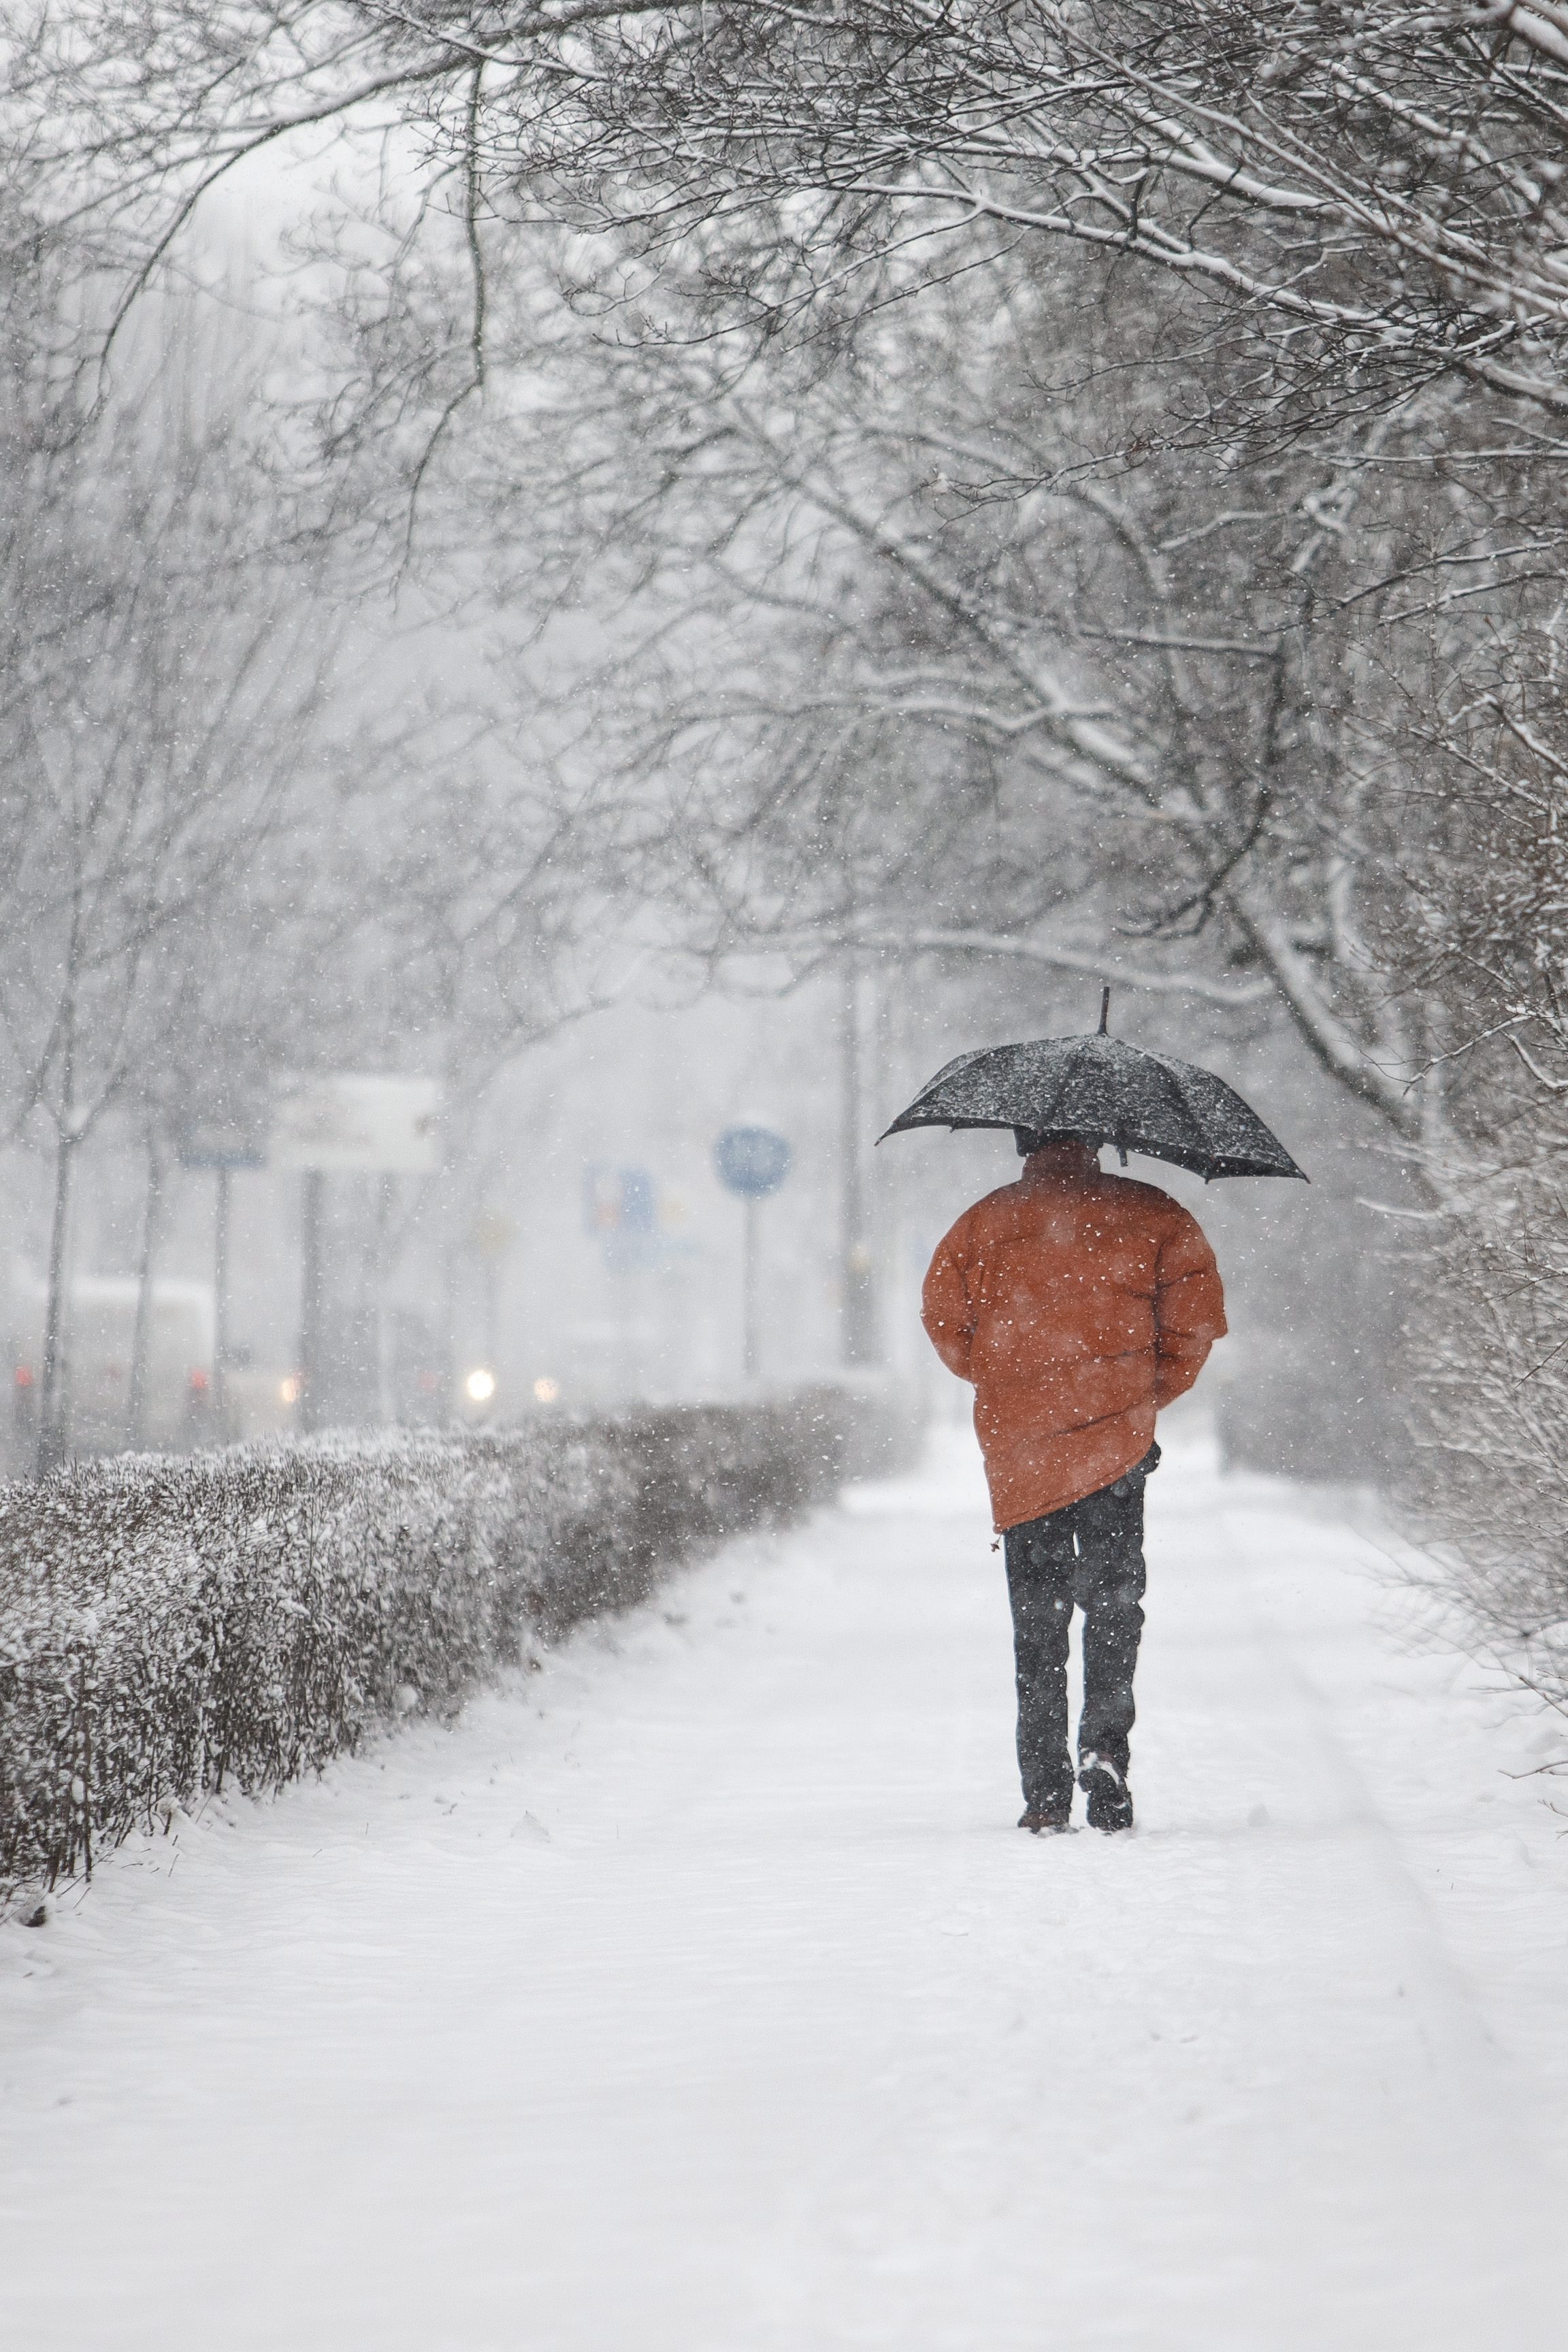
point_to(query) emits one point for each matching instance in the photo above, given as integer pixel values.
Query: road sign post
(228, 1133)
(751, 1250)
(751, 1161)
(345, 1122)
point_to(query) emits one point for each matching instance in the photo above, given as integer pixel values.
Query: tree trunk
(52, 1400)
(140, 1337)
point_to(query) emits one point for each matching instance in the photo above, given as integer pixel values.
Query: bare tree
(1353, 212)
(1366, 197)
(928, 641)
(155, 721)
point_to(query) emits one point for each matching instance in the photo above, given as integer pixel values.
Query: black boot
(1110, 1798)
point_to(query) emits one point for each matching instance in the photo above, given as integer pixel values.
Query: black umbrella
(1102, 1090)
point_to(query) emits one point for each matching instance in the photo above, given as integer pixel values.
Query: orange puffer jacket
(1078, 1306)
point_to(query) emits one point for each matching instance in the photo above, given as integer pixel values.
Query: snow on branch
(1105, 963)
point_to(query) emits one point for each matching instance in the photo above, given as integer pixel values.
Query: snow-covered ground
(699, 1995)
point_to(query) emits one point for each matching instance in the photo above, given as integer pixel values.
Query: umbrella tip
(1104, 1011)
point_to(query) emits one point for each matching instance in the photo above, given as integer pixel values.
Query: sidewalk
(699, 1994)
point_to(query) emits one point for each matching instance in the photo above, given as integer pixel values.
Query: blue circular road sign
(752, 1160)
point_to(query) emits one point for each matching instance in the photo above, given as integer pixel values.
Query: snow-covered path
(699, 1995)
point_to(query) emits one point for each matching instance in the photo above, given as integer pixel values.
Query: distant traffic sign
(217, 1144)
(752, 1160)
(225, 1127)
(619, 1199)
(357, 1120)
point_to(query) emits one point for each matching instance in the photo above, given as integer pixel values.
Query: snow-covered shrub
(1487, 1476)
(169, 1625)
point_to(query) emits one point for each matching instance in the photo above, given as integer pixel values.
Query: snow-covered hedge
(233, 1620)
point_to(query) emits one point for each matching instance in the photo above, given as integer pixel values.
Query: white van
(99, 1325)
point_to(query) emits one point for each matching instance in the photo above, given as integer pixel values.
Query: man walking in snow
(1077, 1304)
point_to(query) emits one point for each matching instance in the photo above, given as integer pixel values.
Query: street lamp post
(858, 1313)
(311, 1187)
(220, 1303)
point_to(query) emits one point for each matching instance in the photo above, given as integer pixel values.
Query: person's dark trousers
(1092, 1553)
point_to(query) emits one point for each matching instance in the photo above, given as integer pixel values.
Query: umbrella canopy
(1102, 1090)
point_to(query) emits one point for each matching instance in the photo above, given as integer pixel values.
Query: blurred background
(456, 647)
(576, 1247)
